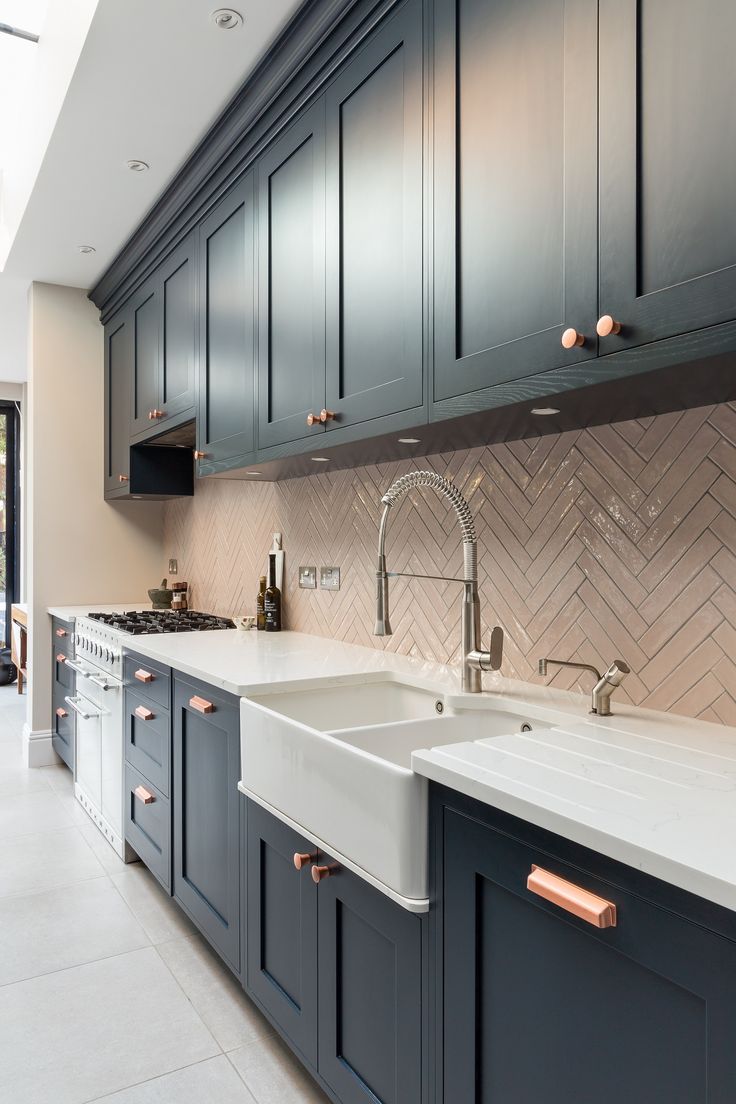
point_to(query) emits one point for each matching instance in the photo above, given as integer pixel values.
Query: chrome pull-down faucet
(474, 659)
(606, 683)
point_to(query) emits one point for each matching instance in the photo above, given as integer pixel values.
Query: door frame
(11, 411)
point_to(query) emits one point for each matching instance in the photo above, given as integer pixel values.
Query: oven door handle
(81, 712)
(98, 680)
(79, 670)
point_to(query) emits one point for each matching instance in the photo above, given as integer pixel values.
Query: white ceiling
(151, 78)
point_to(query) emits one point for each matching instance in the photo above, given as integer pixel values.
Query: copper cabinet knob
(61, 632)
(61, 658)
(320, 872)
(199, 455)
(313, 419)
(143, 713)
(607, 325)
(301, 859)
(122, 479)
(144, 796)
(326, 415)
(143, 676)
(154, 415)
(61, 712)
(571, 338)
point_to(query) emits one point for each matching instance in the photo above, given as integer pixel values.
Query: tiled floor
(106, 990)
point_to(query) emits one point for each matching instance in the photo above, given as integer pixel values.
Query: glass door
(8, 515)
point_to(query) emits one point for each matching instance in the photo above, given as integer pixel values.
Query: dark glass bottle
(272, 601)
(261, 604)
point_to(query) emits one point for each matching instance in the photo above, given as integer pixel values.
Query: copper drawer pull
(61, 712)
(201, 704)
(580, 902)
(144, 796)
(154, 415)
(61, 658)
(61, 632)
(320, 872)
(143, 676)
(301, 859)
(143, 713)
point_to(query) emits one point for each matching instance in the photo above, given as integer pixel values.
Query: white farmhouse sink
(335, 762)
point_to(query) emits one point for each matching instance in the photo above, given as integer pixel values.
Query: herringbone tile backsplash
(618, 541)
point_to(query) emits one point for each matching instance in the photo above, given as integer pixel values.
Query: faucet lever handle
(496, 649)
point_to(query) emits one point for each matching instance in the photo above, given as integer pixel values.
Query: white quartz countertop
(71, 613)
(652, 790)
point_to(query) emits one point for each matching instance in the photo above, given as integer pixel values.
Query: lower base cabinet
(206, 812)
(337, 965)
(541, 1007)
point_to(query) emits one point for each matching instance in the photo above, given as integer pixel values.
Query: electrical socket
(308, 578)
(329, 578)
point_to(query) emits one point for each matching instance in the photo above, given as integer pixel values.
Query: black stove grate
(145, 622)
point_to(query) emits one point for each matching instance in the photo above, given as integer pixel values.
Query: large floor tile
(211, 1082)
(45, 860)
(103, 851)
(58, 777)
(64, 927)
(26, 813)
(273, 1075)
(231, 1017)
(19, 780)
(160, 917)
(72, 1036)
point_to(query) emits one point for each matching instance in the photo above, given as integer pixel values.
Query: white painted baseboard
(38, 750)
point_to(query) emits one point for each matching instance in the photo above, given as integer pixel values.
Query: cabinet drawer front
(149, 679)
(282, 927)
(62, 637)
(148, 824)
(62, 727)
(643, 1003)
(148, 739)
(63, 676)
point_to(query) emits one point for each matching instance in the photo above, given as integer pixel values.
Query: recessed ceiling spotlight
(321, 459)
(227, 19)
(254, 473)
(137, 166)
(544, 411)
(86, 249)
(409, 441)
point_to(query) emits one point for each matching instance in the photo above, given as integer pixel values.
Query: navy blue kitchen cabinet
(515, 191)
(206, 812)
(227, 332)
(538, 1006)
(118, 384)
(63, 684)
(337, 966)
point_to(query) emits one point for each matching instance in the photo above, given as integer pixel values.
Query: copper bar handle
(571, 339)
(61, 632)
(326, 415)
(607, 325)
(122, 479)
(144, 796)
(143, 713)
(201, 704)
(302, 859)
(320, 872)
(313, 419)
(143, 676)
(61, 658)
(580, 902)
(61, 712)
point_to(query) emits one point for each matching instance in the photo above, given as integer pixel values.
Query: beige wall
(80, 549)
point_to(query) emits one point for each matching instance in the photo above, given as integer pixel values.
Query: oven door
(89, 747)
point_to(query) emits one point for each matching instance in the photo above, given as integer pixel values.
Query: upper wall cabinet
(164, 329)
(118, 361)
(374, 227)
(226, 424)
(291, 282)
(668, 167)
(515, 191)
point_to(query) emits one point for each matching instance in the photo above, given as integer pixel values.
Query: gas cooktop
(140, 622)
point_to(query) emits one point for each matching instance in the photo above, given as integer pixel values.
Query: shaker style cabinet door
(291, 283)
(542, 1007)
(177, 282)
(370, 993)
(146, 339)
(515, 189)
(226, 429)
(118, 382)
(281, 927)
(668, 167)
(374, 226)
(206, 808)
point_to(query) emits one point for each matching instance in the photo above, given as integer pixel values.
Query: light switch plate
(308, 578)
(173, 567)
(329, 578)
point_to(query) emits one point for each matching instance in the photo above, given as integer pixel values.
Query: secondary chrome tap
(474, 659)
(605, 685)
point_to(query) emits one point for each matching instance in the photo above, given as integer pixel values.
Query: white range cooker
(99, 640)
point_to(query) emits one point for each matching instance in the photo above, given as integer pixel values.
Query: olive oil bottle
(261, 604)
(272, 598)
